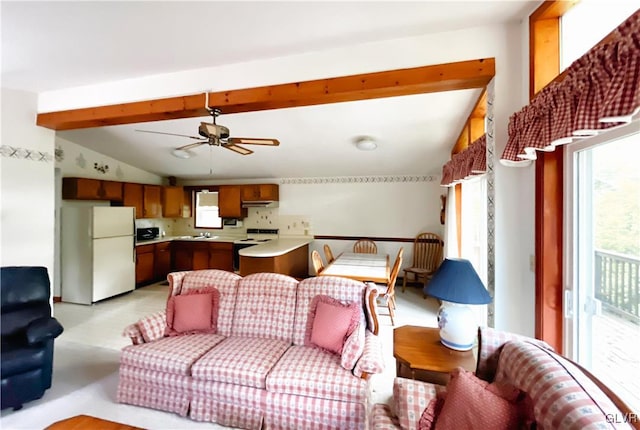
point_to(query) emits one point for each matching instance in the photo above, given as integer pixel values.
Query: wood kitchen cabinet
(111, 190)
(221, 256)
(182, 256)
(145, 270)
(199, 255)
(152, 201)
(162, 260)
(91, 189)
(147, 199)
(133, 197)
(172, 202)
(257, 192)
(230, 201)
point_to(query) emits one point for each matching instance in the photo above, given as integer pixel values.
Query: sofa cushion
(265, 306)
(240, 361)
(343, 289)
(330, 323)
(314, 372)
(22, 358)
(193, 312)
(225, 282)
(470, 403)
(170, 354)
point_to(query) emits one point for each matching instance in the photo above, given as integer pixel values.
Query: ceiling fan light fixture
(181, 153)
(366, 143)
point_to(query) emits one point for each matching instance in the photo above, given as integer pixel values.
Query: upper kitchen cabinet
(133, 196)
(91, 189)
(147, 199)
(172, 202)
(112, 190)
(230, 201)
(260, 192)
(152, 205)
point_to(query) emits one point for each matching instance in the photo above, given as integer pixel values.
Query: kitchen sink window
(207, 211)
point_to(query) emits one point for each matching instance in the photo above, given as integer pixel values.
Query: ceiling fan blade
(253, 141)
(170, 134)
(191, 145)
(238, 149)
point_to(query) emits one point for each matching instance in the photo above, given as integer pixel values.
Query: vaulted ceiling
(56, 45)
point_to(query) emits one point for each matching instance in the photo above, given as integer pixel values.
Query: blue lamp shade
(458, 285)
(456, 281)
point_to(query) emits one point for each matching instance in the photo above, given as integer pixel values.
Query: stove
(255, 236)
(258, 235)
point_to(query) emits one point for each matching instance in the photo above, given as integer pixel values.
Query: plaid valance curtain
(466, 164)
(600, 90)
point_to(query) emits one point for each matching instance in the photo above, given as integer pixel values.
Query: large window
(602, 228)
(602, 312)
(474, 233)
(206, 209)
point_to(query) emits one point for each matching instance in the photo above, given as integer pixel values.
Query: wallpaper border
(360, 179)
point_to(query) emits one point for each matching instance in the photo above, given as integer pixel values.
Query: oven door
(236, 256)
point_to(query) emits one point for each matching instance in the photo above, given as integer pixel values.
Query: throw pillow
(330, 323)
(353, 346)
(430, 413)
(195, 312)
(471, 404)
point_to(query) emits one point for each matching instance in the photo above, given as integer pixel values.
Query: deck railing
(617, 283)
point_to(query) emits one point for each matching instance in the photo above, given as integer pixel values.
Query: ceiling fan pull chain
(210, 160)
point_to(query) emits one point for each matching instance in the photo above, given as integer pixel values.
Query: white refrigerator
(97, 253)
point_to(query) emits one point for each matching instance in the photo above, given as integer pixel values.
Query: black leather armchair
(27, 331)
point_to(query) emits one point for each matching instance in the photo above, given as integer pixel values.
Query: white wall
(514, 197)
(79, 162)
(26, 186)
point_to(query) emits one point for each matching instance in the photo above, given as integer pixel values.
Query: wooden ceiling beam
(427, 79)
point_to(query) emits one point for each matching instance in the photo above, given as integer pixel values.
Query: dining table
(360, 266)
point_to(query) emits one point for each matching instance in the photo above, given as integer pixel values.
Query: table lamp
(457, 282)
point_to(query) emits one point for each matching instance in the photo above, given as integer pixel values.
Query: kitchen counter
(274, 248)
(289, 256)
(214, 238)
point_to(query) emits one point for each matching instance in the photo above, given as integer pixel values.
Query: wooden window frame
(544, 67)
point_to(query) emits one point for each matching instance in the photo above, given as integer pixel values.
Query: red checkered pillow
(193, 312)
(330, 323)
(473, 403)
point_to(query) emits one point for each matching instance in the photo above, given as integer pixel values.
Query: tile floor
(87, 353)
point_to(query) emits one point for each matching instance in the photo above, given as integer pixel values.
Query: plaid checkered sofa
(256, 371)
(563, 396)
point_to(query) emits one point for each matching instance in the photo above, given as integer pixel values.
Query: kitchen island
(289, 256)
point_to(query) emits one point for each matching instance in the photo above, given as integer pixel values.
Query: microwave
(232, 222)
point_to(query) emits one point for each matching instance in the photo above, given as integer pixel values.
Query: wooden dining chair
(387, 293)
(328, 254)
(365, 246)
(318, 265)
(428, 250)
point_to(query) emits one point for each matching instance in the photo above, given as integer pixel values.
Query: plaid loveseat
(255, 371)
(561, 395)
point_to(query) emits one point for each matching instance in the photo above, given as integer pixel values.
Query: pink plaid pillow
(330, 323)
(193, 312)
(473, 403)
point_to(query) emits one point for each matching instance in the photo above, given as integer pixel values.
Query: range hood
(260, 204)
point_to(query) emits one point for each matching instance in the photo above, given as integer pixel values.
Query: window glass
(207, 211)
(587, 23)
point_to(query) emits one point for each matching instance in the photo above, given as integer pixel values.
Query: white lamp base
(458, 328)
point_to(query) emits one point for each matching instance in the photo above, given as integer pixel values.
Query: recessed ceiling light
(366, 143)
(181, 153)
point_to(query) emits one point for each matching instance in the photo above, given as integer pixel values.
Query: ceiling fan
(213, 134)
